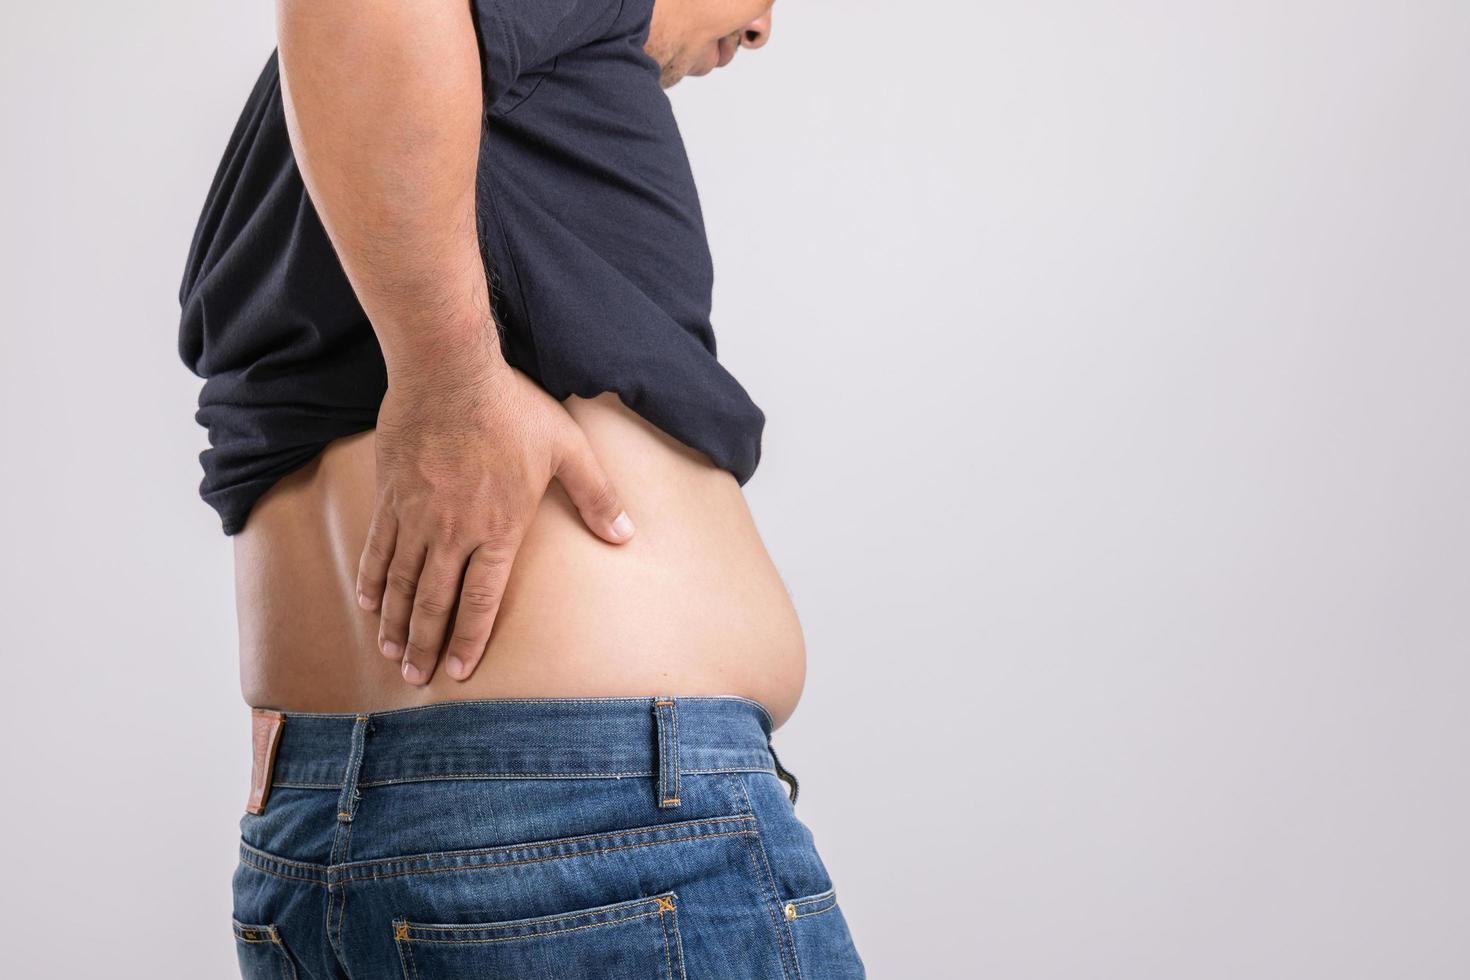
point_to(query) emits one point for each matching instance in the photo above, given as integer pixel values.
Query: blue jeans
(561, 839)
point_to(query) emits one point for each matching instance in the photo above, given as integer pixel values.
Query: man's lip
(727, 52)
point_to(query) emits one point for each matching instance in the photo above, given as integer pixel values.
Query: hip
(615, 838)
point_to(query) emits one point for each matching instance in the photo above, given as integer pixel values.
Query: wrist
(446, 355)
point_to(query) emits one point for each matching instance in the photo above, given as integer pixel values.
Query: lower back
(691, 605)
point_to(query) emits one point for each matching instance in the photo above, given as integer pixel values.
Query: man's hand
(464, 457)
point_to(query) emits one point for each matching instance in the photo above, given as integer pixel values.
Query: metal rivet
(790, 911)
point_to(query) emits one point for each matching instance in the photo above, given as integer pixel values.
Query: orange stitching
(531, 935)
(400, 930)
(665, 904)
(672, 801)
(618, 909)
(669, 704)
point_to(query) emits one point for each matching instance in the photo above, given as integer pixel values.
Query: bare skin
(479, 542)
(691, 605)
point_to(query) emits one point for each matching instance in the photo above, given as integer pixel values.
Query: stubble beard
(669, 71)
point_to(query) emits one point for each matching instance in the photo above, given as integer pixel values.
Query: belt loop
(347, 801)
(783, 773)
(666, 725)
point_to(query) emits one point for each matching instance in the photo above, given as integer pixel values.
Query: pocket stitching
(405, 929)
(530, 935)
(668, 952)
(662, 903)
(245, 933)
(759, 861)
(799, 904)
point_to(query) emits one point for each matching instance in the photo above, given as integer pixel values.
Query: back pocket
(262, 954)
(636, 940)
(824, 947)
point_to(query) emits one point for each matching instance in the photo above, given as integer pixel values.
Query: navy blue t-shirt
(589, 224)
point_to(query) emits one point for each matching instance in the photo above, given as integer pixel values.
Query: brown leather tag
(265, 738)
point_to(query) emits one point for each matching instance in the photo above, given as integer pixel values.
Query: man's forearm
(383, 105)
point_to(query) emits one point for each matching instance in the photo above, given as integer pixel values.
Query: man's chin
(672, 75)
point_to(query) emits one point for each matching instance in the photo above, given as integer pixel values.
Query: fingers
(372, 567)
(593, 493)
(433, 601)
(424, 587)
(479, 602)
(398, 599)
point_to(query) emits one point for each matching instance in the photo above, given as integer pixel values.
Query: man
(450, 291)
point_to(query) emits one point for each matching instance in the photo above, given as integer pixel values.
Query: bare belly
(692, 605)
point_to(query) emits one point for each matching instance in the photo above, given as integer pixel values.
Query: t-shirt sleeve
(519, 36)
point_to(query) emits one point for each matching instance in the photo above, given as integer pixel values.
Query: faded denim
(570, 839)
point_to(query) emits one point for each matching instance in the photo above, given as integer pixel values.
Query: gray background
(1117, 363)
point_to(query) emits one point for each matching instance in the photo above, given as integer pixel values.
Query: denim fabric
(571, 839)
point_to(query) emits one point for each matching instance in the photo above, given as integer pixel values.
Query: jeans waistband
(559, 738)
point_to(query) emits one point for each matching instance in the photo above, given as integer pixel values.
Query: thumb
(587, 483)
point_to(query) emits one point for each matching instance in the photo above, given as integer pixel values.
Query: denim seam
(342, 896)
(288, 967)
(279, 874)
(679, 948)
(405, 951)
(448, 869)
(668, 954)
(821, 911)
(266, 857)
(620, 700)
(830, 893)
(784, 938)
(827, 901)
(401, 780)
(534, 935)
(337, 896)
(615, 913)
(595, 840)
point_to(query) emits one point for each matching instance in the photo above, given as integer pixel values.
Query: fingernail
(623, 526)
(411, 673)
(364, 601)
(392, 650)
(456, 667)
